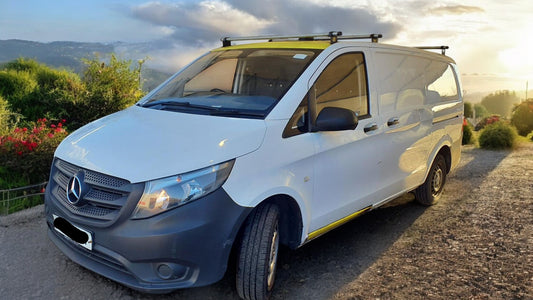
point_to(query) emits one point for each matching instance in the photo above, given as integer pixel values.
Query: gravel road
(476, 243)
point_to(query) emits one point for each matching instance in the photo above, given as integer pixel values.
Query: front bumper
(184, 247)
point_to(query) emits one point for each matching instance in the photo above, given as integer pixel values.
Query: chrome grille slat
(106, 195)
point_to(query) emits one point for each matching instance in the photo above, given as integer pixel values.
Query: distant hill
(69, 55)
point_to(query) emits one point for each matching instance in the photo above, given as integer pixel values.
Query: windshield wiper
(170, 103)
(233, 112)
(212, 110)
(212, 92)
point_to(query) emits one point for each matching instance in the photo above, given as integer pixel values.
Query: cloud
(191, 28)
(456, 10)
(198, 23)
(207, 21)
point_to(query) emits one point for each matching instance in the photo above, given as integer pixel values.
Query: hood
(140, 144)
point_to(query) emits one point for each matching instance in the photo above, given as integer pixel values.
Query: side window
(441, 83)
(298, 123)
(401, 78)
(343, 84)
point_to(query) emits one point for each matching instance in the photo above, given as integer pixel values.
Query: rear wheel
(431, 190)
(258, 254)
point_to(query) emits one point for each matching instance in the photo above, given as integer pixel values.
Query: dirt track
(476, 243)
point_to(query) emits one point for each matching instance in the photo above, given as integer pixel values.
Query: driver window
(343, 84)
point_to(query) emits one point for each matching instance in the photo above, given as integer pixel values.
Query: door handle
(393, 121)
(371, 127)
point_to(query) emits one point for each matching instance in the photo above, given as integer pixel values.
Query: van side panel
(405, 118)
(420, 111)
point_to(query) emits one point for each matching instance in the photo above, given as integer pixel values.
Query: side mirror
(335, 119)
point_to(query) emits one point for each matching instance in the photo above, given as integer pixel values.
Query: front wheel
(258, 254)
(431, 190)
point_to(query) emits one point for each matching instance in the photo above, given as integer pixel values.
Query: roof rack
(442, 48)
(332, 36)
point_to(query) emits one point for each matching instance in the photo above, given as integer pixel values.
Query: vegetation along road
(476, 243)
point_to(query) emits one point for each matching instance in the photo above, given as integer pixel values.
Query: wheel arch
(443, 148)
(447, 154)
(291, 222)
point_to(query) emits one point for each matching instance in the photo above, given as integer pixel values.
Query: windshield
(239, 82)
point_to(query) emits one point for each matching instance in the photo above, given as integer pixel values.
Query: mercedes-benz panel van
(251, 146)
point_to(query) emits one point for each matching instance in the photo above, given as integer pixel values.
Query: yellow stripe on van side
(280, 45)
(336, 224)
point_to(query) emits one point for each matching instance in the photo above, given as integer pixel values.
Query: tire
(258, 253)
(430, 191)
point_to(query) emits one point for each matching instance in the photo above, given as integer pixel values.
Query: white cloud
(485, 37)
(215, 15)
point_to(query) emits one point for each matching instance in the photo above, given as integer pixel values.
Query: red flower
(53, 126)
(19, 153)
(24, 129)
(59, 124)
(63, 121)
(50, 135)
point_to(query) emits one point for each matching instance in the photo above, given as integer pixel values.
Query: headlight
(163, 194)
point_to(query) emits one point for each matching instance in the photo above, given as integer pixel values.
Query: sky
(491, 40)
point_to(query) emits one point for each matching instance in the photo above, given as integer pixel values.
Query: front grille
(105, 197)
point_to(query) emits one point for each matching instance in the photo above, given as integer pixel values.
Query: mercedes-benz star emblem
(74, 190)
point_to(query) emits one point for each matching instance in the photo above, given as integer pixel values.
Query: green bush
(110, 87)
(468, 110)
(34, 90)
(522, 117)
(14, 85)
(468, 136)
(481, 111)
(497, 136)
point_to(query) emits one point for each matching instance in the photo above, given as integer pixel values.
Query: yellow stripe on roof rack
(284, 45)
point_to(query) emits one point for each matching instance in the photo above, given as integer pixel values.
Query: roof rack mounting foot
(441, 48)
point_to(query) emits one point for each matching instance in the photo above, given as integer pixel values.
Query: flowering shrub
(28, 152)
(487, 121)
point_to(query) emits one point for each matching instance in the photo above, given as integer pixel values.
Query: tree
(500, 102)
(522, 117)
(468, 110)
(110, 87)
(481, 111)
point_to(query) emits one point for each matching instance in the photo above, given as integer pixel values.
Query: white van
(249, 147)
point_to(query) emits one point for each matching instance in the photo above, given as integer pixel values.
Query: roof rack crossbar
(332, 36)
(442, 48)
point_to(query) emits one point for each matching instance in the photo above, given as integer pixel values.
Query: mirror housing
(335, 119)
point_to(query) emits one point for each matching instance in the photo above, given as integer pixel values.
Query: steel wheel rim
(436, 183)
(273, 258)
